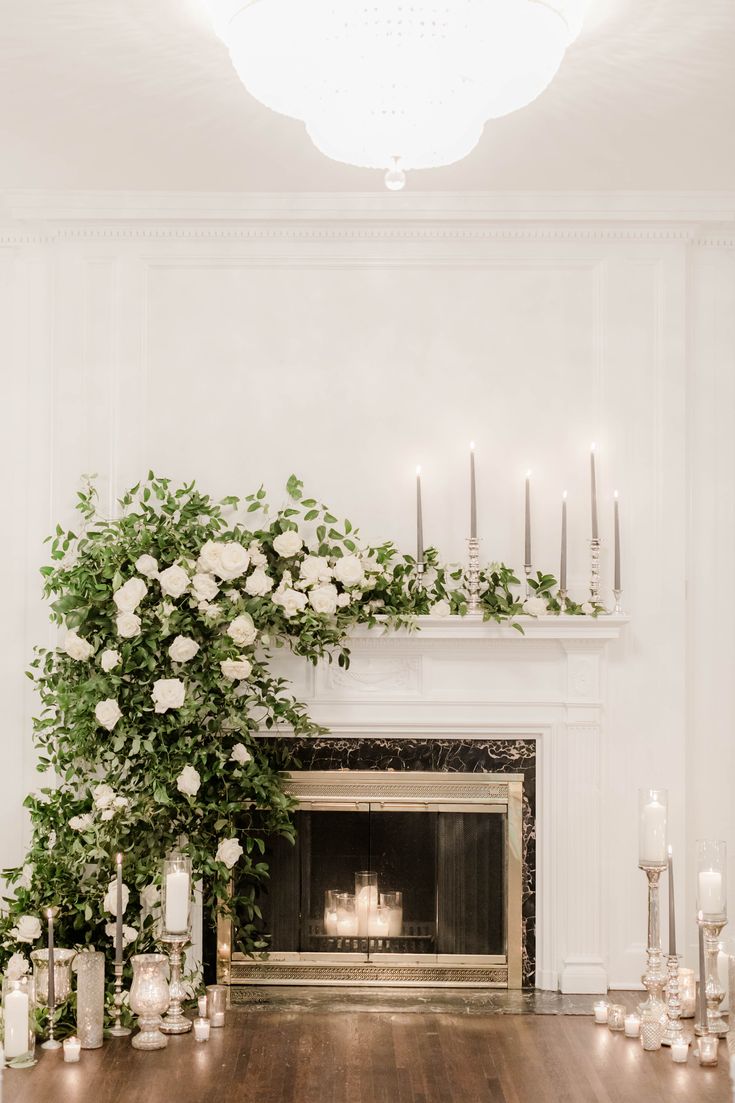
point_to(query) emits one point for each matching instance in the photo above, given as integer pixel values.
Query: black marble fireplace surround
(446, 755)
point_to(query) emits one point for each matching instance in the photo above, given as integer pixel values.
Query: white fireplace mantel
(462, 677)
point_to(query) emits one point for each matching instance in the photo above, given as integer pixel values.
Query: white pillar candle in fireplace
(366, 906)
(346, 925)
(16, 1024)
(710, 892)
(653, 833)
(177, 902)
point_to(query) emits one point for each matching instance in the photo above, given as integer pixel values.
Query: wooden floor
(312, 1057)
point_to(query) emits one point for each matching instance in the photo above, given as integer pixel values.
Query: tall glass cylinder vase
(90, 969)
(712, 880)
(19, 1005)
(652, 859)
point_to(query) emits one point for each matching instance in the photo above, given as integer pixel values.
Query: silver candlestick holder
(595, 570)
(118, 1031)
(175, 1021)
(714, 994)
(473, 575)
(618, 605)
(674, 1030)
(561, 597)
(655, 976)
(528, 569)
(420, 571)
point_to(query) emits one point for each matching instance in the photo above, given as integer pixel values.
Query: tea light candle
(600, 1009)
(202, 1007)
(680, 1052)
(632, 1025)
(201, 1029)
(72, 1049)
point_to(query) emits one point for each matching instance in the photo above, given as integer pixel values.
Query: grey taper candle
(419, 520)
(119, 916)
(593, 494)
(51, 997)
(563, 564)
(702, 978)
(473, 494)
(616, 581)
(527, 562)
(672, 909)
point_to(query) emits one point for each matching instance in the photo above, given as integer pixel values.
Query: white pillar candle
(653, 833)
(330, 922)
(16, 1024)
(366, 907)
(72, 1049)
(202, 1007)
(710, 892)
(177, 902)
(600, 1010)
(346, 925)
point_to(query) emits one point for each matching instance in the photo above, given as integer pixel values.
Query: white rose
(233, 561)
(130, 595)
(209, 612)
(204, 587)
(348, 570)
(107, 814)
(168, 693)
(109, 660)
(81, 823)
(107, 713)
(228, 852)
(26, 878)
(323, 599)
(109, 904)
(120, 802)
(440, 609)
(343, 600)
(240, 754)
(257, 558)
(103, 795)
(258, 583)
(17, 966)
(76, 647)
(535, 606)
(209, 557)
(128, 625)
(183, 649)
(147, 565)
(235, 669)
(288, 544)
(129, 934)
(291, 601)
(188, 781)
(242, 630)
(588, 609)
(315, 568)
(27, 929)
(174, 581)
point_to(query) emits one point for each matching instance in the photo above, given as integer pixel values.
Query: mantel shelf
(475, 628)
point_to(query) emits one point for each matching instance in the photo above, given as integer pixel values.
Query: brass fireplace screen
(395, 879)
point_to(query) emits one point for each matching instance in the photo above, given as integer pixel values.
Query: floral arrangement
(152, 701)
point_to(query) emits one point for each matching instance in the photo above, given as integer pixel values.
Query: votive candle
(632, 1025)
(601, 1009)
(201, 1029)
(72, 1049)
(680, 1052)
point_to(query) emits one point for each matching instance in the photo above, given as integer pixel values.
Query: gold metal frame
(364, 790)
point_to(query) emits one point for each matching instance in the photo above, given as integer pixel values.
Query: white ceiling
(140, 94)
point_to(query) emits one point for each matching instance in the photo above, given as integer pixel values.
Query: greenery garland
(152, 702)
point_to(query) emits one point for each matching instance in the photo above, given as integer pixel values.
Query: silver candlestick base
(595, 570)
(528, 569)
(674, 1030)
(654, 978)
(118, 1031)
(618, 606)
(561, 597)
(175, 1021)
(715, 1023)
(420, 571)
(473, 576)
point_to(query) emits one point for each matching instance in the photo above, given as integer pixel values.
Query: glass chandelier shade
(394, 85)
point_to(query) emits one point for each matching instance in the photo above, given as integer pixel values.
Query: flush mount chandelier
(394, 85)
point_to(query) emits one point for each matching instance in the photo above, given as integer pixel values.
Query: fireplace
(397, 877)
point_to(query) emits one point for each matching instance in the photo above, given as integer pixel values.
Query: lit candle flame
(593, 446)
(119, 859)
(472, 446)
(615, 495)
(528, 473)
(418, 468)
(564, 496)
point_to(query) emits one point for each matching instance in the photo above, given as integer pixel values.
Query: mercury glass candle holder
(652, 1029)
(149, 998)
(707, 1049)
(62, 985)
(89, 967)
(216, 1004)
(616, 1016)
(19, 1006)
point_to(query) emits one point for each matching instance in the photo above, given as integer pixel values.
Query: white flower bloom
(128, 625)
(323, 599)
(120, 803)
(81, 823)
(147, 565)
(258, 584)
(440, 609)
(168, 693)
(588, 609)
(103, 796)
(27, 929)
(107, 814)
(188, 781)
(130, 595)
(109, 660)
(77, 648)
(315, 568)
(107, 713)
(174, 581)
(165, 609)
(257, 558)
(129, 934)
(236, 669)
(17, 966)
(26, 878)
(183, 649)
(242, 630)
(209, 557)
(535, 606)
(291, 601)
(348, 570)
(209, 612)
(343, 600)
(232, 595)
(288, 544)
(204, 587)
(234, 560)
(228, 852)
(241, 754)
(109, 904)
